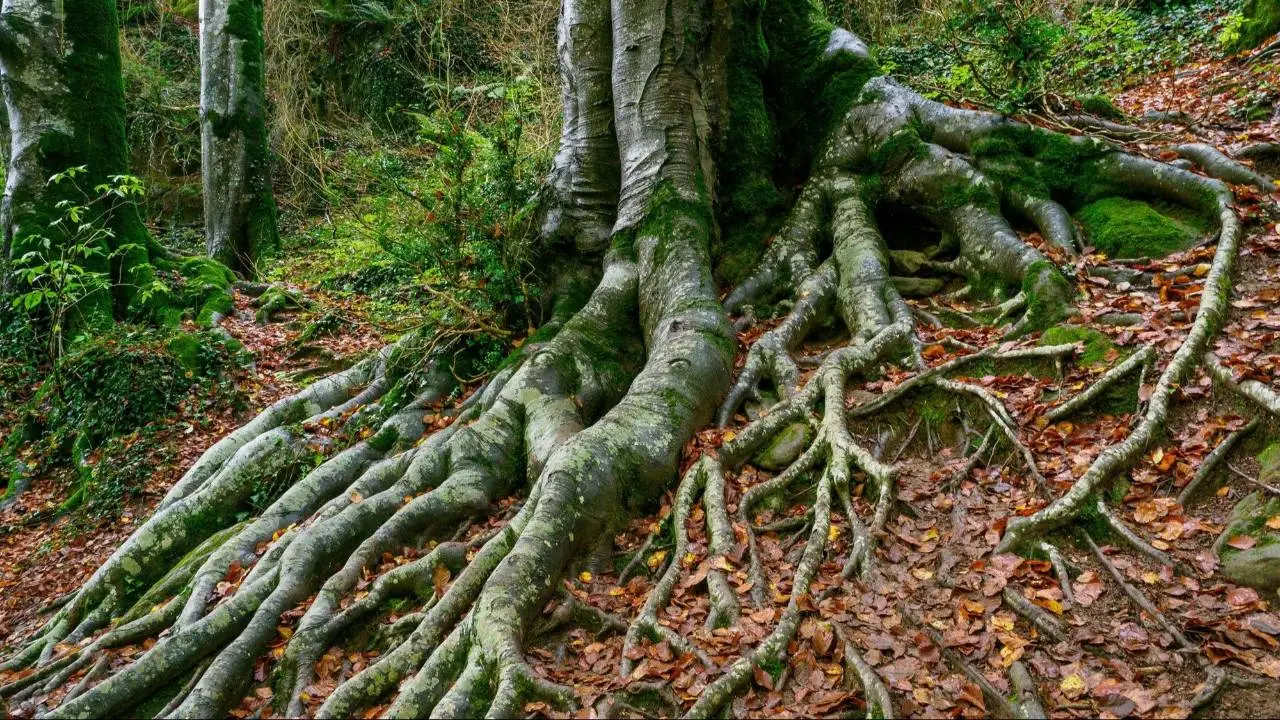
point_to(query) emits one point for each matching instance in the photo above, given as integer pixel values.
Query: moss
(384, 440)
(908, 143)
(809, 90)
(186, 349)
(207, 288)
(1048, 293)
(1261, 20)
(1045, 164)
(1269, 462)
(1127, 228)
(1097, 347)
(1101, 106)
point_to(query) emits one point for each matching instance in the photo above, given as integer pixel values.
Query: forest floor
(934, 610)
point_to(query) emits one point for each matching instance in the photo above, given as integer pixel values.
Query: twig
(1269, 488)
(1136, 595)
(1210, 463)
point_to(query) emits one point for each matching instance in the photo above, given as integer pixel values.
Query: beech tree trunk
(64, 94)
(239, 206)
(754, 138)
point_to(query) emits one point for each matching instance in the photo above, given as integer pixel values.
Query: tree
(686, 124)
(65, 99)
(239, 207)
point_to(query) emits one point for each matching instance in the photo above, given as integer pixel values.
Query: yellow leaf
(1150, 577)
(1052, 606)
(930, 534)
(922, 574)
(1002, 621)
(355, 497)
(1009, 653)
(585, 576)
(1072, 686)
(833, 533)
(285, 632)
(730, 435)
(689, 559)
(615, 592)
(1273, 522)
(656, 559)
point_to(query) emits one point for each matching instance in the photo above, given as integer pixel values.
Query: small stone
(784, 448)
(1257, 566)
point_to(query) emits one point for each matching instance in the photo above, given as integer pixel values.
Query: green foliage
(1127, 228)
(446, 236)
(161, 66)
(1257, 21)
(1022, 54)
(1002, 49)
(61, 281)
(104, 402)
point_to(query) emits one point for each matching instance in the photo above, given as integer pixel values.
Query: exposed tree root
(1222, 167)
(1261, 394)
(583, 428)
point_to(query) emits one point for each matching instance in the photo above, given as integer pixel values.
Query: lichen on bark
(239, 204)
(590, 421)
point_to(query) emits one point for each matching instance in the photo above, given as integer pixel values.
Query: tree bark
(239, 206)
(589, 420)
(64, 93)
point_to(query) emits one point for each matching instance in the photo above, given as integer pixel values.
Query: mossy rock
(1126, 228)
(908, 261)
(1097, 346)
(186, 348)
(1101, 106)
(1258, 566)
(784, 448)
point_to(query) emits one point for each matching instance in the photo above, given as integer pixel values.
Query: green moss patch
(1127, 228)
(1259, 20)
(1101, 106)
(1097, 347)
(207, 288)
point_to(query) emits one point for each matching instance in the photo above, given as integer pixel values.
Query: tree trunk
(1260, 20)
(60, 65)
(239, 207)
(689, 125)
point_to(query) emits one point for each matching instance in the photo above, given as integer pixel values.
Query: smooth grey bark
(35, 94)
(592, 422)
(64, 96)
(239, 206)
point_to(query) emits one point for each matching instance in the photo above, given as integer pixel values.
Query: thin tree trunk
(239, 206)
